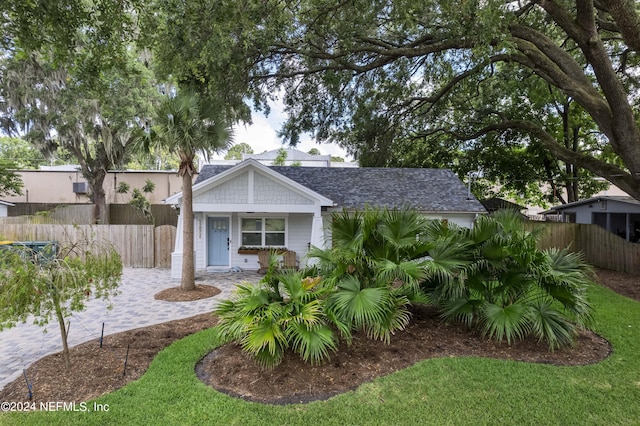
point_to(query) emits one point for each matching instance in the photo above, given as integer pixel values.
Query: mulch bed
(176, 294)
(230, 370)
(97, 371)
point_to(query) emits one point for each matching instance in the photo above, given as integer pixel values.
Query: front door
(218, 240)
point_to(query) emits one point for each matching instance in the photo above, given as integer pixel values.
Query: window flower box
(255, 250)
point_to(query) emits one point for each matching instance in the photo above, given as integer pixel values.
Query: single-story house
(617, 214)
(4, 206)
(250, 205)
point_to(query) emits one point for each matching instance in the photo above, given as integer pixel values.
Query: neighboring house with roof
(495, 204)
(291, 157)
(617, 214)
(4, 205)
(249, 205)
(294, 157)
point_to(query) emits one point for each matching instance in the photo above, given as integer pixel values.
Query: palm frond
(312, 342)
(409, 272)
(500, 322)
(401, 227)
(484, 228)
(265, 334)
(549, 325)
(347, 230)
(396, 318)
(448, 258)
(359, 306)
(462, 310)
(187, 125)
(266, 359)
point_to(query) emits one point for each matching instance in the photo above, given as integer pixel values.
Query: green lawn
(437, 391)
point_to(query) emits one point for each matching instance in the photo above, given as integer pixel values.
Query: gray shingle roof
(620, 198)
(431, 190)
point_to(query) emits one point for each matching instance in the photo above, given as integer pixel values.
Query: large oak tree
(72, 79)
(443, 67)
(92, 118)
(383, 71)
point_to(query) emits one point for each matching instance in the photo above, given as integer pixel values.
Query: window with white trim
(263, 231)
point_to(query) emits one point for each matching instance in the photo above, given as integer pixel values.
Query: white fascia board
(175, 199)
(256, 208)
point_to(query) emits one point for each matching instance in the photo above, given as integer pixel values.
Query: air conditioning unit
(80, 187)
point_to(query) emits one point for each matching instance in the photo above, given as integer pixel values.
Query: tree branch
(627, 21)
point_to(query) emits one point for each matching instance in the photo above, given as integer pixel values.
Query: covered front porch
(625, 225)
(226, 241)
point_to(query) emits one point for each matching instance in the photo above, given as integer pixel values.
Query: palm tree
(187, 125)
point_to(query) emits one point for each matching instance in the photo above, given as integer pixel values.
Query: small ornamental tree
(54, 283)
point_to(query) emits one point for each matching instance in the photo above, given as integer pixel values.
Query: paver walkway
(134, 307)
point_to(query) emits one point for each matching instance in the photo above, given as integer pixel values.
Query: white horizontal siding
(300, 234)
(462, 219)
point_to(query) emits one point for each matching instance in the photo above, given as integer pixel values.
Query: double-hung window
(263, 232)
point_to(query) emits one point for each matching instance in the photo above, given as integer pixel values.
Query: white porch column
(177, 248)
(317, 232)
(176, 255)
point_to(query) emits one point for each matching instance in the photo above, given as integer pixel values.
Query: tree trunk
(63, 334)
(188, 276)
(99, 198)
(556, 191)
(568, 167)
(576, 175)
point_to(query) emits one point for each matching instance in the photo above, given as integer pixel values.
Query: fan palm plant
(284, 311)
(375, 267)
(496, 277)
(186, 126)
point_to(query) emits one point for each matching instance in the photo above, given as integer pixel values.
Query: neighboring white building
(293, 158)
(253, 205)
(4, 205)
(617, 214)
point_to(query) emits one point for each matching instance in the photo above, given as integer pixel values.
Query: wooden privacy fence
(600, 247)
(83, 214)
(41, 213)
(125, 214)
(165, 241)
(140, 246)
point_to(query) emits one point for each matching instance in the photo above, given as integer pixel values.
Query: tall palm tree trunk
(188, 262)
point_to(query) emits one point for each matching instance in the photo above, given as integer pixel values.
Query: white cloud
(262, 135)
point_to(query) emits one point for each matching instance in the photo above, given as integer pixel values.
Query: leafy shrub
(494, 277)
(55, 282)
(283, 311)
(491, 276)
